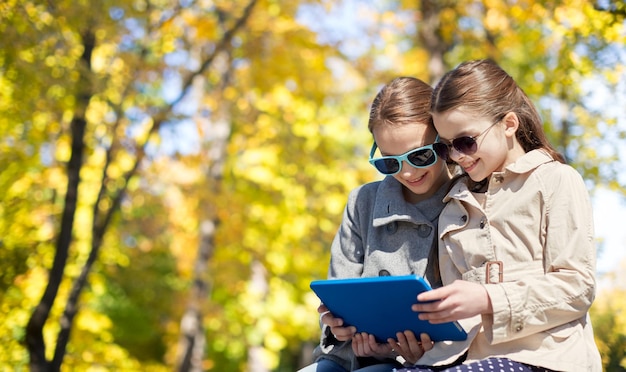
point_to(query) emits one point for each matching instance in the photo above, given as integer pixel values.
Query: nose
(455, 154)
(406, 169)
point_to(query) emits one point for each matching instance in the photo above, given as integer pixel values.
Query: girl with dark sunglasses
(517, 254)
(389, 227)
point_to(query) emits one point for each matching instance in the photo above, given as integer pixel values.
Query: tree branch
(219, 47)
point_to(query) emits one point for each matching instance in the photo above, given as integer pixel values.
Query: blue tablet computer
(382, 306)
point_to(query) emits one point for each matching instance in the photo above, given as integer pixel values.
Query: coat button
(519, 328)
(483, 222)
(384, 273)
(424, 230)
(499, 178)
(463, 218)
(391, 227)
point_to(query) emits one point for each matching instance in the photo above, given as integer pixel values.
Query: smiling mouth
(418, 179)
(470, 165)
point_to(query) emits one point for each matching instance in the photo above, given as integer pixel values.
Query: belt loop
(488, 272)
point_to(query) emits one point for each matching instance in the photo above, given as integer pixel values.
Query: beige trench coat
(535, 227)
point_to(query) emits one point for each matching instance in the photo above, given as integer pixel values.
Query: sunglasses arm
(373, 150)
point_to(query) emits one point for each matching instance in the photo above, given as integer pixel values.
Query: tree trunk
(430, 37)
(34, 329)
(192, 340)
(259, 283)
(191, 344)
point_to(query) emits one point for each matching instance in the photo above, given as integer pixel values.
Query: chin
(414, 189)
(477, 177)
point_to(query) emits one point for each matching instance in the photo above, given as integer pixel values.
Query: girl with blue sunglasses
(389, 226)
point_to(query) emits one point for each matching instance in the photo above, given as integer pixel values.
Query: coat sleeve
(347, 251)
(564, 294)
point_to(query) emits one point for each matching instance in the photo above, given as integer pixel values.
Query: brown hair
(404, 100)
(485, 89)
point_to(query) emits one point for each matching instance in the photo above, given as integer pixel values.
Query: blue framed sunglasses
(421, 157)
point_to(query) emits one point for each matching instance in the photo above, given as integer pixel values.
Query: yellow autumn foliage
(261, 150)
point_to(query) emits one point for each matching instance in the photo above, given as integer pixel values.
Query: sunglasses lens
(422, 157)
(442, 150)
(466, 145)
(387, 166)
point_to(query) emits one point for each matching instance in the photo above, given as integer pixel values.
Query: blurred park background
(172, 172)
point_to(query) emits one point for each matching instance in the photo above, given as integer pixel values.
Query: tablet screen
(382, 306)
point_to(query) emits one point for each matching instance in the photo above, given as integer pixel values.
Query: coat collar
(390, 204)
(526, 163)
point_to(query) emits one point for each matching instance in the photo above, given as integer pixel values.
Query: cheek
(440, 167)
(494, 157)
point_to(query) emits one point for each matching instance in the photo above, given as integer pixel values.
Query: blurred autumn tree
(172, 172)
(110, 91)
(608, 314)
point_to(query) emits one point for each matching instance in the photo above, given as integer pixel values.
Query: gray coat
(380, 234)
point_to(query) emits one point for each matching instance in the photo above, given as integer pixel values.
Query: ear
(511, 124)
